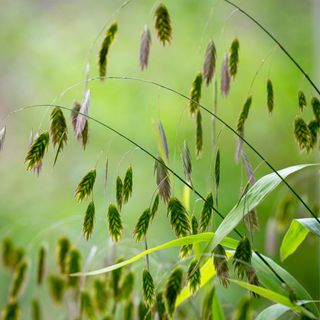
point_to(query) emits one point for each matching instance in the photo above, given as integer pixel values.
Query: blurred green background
(45, 46)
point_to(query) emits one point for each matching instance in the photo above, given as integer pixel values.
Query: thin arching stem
(285, 51)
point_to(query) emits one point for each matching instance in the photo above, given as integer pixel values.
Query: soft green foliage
(37, 150)
(127, 185)
(19, 279)
(194, 275)
(195, 94)
(56, 286)
(88, 222)
(106, 44)
(234, 57)
(73, 266)
(148, 288)
(206, 213)
(221, 264)
(270, 96)
(217, 169)
(41, 265)
(63, 248)
(163, 24)
(242, 257)
(141, 228)
(114, 223)
(85, 186)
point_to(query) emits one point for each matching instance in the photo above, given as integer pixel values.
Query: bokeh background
(45, 47)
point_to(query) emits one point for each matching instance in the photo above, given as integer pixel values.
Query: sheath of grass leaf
(127, 185)
(11, 311)
(314, 128)
(302, 134)
(209, 64)
(221, 264)
(35, 309)
(225, 76)
(172, 289)
(316, 109)
(41, 265)
(18, 280)
(195, 94)
(179, 218)
(206, 213)
(145, 47)
(162, 179)
(114, 223)
(242, 257)
(106, 44)
(270, 96)
(187, 163)
(63, 248)
(88, 222)
(142, 225)
(194, 276)
(56, 286)
(85, 186)
(302, 100)
(199, 137)
(74, 266)
(234, 57)
(163, 24)
(37, 150)
(148, 288)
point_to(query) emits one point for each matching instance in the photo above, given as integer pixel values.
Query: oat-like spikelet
(58, 127)
(163, 179)
(106, 44)
(82, 117)
(221, 264)
(242, 257)
(84, 136)
(164, 140)
(225, 76)
(142, 225)
(302, 100)
(56, 286)
(119, 192)
(234, 57)
(63, 248)
(187, 163)
(314, 128)
(185, 250)
(194, 275)
(127, 185)
(194, 225)
(19, 279)
(85, 186)
(172, 289)
(128, 311)
(206, 213)
(179, 218)
(316, 109)
(252, 278)
(41, 264)
(270, 96)
(115, 280)
(148, 288)
(160, 307)
(2, 137)
(86, 305)
(217, 169)
(195, 94)
(244, 115)
(145, 47)
(163, 24)
(8, 253)
(199, 134)
(100, 294)
(127, 286)
(209, 65)
(114, 223)
(302, 134)
(73, 266)
(35, 310)
(88, 222)
(37, 150)
(155, 206)
(11, 311)
(143, 312)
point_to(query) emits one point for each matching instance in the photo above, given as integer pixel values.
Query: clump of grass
(234, 57)
(145, 47)
(85, 186)
(195, 94)
(209, 64)
(88, 222)
(163, 24)
(194, 275)
(114, 223)
(148, 288)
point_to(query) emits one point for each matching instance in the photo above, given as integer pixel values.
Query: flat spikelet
(82, 117)
(270, 96)
(194, 276)
(128, 311)
(244, 115)
(185, 250)
(172, 289)
(56, 288)
(106, 44)
(164, 141)
(225, 76)
(160, 306)
(119, 192)
(11, 311)
(35, 310)
(19, 279)
(163, 24)
(163, 179)
(179, 218)
(143, 312)
(199, 134)
(302, 100)
(155, 206)
(242, 257)
(187, 163)
(127, 185)
(100, 295)
(2, 137)
(252, 278)
(194, 225)
(41, 265)
(142, 225)
(206, 213)
(148, 288)
(85, 134)
(209, 64)
(88, 222)
(145, 47)
(195, 94)
(316, 109)
(234, 57)
(302, 134)
(8, 253)
(243, 311)
(74, 266)
(37, 150)
(83, 137)
(116, 279)
(114, 223)
(63, 248)
(217, 170)
(314, 128)
(58, 127)
(221, 264)
(86, 305)
(127, 286)
(85, 186)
